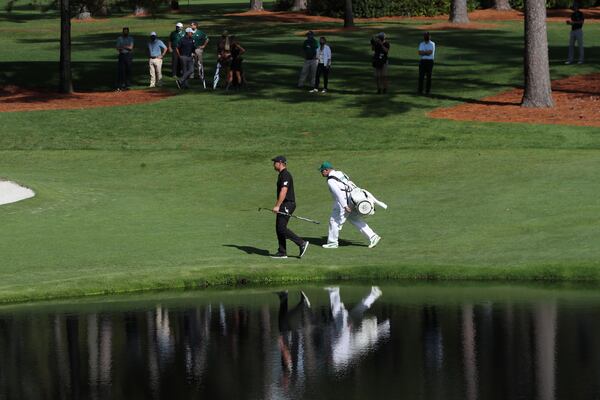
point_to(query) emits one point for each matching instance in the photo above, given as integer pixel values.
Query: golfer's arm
(281, 197)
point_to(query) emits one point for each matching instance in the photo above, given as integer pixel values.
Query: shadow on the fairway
(250, 250)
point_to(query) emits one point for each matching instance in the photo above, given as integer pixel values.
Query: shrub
(382, 8)
(283, 5)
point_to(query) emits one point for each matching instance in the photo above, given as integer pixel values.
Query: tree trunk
(348, 15)
(458, 12)
(502, 5)
(256, 5)
(299, 5)
(538, 91)
(65, 80)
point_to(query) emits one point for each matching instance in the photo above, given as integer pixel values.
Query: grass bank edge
(277, 275)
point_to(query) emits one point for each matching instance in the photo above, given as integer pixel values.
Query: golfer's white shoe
(374, 240)
(314, 91)
(330, 246)
(279, 256)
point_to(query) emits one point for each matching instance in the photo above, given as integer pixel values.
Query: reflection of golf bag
(360, 199)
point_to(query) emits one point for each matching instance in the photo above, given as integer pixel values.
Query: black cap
(279, 159)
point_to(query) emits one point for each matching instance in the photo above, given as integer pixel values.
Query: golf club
(290, 215)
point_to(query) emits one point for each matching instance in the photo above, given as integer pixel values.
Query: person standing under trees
(427, 53)
(284, 207)
(223, 58)
(381, 49)
(236, 75)
(185, 50)
(309, 68)
(156, 52)
(324, 59)
(200, 41)
(576, 23)
(125, 49)
(174, 39)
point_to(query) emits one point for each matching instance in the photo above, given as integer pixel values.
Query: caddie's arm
(280, 199)
(339, 195)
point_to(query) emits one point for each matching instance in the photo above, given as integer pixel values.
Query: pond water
(418, 341)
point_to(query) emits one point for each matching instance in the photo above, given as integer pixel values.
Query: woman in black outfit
(236, 64)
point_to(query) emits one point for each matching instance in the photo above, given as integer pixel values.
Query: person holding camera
(381, 49)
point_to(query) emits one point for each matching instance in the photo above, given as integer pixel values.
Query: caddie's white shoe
(375, 291)
(374, 240)
(330, 246)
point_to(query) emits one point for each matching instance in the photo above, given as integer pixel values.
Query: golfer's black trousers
(425, 69)
(282, 230)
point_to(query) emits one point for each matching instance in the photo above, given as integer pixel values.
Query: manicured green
(165, 195)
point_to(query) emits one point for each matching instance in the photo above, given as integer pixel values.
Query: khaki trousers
(155, 65)
(309, 70)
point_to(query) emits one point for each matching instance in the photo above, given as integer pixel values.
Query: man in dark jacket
(309, 69)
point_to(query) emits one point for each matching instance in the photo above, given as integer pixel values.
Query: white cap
(152, 33)
(179, 25)
(189, 30)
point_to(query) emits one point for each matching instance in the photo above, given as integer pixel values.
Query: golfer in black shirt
(286, 204)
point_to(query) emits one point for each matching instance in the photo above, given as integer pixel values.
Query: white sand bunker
(10, 192)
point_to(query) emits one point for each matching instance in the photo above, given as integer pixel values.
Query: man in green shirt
(174, 39)
(309, 69)
(200, 40)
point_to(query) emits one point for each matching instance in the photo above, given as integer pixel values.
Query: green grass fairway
(165, 195)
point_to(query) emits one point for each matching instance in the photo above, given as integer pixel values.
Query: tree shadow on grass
(473, 101)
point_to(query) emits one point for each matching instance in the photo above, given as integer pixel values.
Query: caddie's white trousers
(338, 218)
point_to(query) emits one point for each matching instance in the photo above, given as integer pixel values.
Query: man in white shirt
(324, 57)
(342, 208)
(427, 54)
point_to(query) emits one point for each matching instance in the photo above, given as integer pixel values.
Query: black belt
(152, 58)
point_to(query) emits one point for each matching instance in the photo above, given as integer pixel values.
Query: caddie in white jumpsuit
(342, 209)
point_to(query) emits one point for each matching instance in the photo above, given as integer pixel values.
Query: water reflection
(297, 345)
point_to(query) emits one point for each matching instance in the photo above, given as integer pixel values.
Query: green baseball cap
(325, 165)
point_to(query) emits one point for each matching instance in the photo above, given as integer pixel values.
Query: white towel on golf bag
(345, 191)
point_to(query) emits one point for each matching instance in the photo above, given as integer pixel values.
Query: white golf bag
(361, 200)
